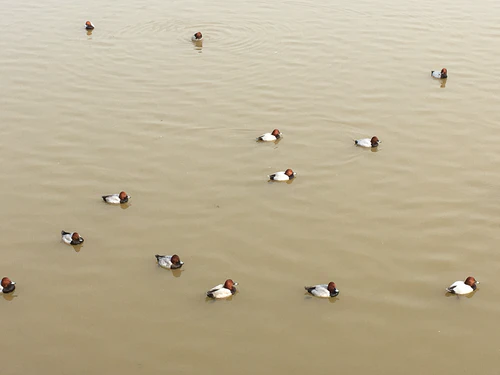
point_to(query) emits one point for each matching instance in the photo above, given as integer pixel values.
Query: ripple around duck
(233, 36)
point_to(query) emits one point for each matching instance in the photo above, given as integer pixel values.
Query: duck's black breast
(77, 242)
(9, 288)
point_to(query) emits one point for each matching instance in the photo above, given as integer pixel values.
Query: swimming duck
(367, 142)
(268, 137)
(169, 261)
(463, 287)
(116, 198)
(7, 285)
(283, 176)
(442, 74)
(223, 290)
(197, 37)
(71, 238)
(323, 290)
(89, 25)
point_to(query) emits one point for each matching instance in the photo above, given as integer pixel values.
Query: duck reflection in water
(77, 248)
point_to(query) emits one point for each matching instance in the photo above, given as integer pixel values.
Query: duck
(116, 198)
(441, 75)
(89, 25)
(197, 37)
(367, 142)
(169, 261)
(223, 290)
(7, 285)
(323, 290)
(71, 238)
(463, 287)
(283, 176)
(269, 137)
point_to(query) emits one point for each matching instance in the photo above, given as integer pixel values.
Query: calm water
(136, 106)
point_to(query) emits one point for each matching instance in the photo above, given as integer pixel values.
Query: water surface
(136, 106)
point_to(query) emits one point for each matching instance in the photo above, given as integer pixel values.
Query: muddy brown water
(136, 106)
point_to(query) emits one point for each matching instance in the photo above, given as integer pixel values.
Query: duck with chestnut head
(120, 198)
(170, 262)
(440, 75)
(463, 287)
(71, 238)
(197, 37)
(7, 285)
(223, 290)
(283, 176)
(89, 25)
(367, 142)
(270, 137)
(323, 290)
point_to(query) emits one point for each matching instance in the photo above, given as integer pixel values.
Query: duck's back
(459, 287)
(364, 142)
(279, 176)
(113, 198)
(267, 137)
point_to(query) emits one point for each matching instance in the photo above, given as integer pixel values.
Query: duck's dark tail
(63, 233)
(104, 198)
(158, 257)
(309, 288)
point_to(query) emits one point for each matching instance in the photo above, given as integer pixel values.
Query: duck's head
(89, 25)
(470, 281)
(444, 73)
(229, 284)
(8, 285)
(332, 288)
(123, 197)
(289, 172)
(276, 133)
(75, 237)
(375, 141)
(198, 35)
(176, 261)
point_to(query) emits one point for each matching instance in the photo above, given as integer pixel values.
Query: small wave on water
(230, 36)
